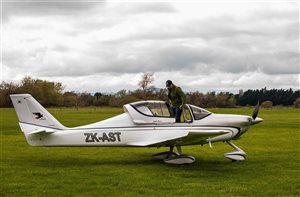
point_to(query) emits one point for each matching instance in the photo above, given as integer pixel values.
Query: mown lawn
(272, 167)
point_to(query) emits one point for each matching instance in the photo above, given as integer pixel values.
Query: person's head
(169, 84)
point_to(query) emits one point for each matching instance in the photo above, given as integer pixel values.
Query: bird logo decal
(38, 115)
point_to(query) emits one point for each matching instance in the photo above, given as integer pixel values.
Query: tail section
(33, 117)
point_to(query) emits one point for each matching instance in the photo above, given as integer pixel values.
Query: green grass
(272, 167)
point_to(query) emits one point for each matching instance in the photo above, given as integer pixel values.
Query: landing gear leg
(171, 150)
(179, 150)
(237, 155)
(166, 154)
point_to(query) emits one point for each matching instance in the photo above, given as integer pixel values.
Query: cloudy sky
(106, 46)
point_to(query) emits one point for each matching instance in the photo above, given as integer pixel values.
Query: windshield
(199, 113)
(157, 109)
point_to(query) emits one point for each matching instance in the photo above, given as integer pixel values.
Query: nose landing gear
(237, 155)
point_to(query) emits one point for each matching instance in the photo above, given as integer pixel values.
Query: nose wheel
(237, 155)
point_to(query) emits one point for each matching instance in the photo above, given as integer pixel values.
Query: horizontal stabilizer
(41, 131)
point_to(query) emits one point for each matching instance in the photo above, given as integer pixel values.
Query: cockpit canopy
(198, 113)
(159, 112)
(153, 108)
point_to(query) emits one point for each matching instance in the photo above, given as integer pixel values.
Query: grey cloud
(142, 8)
(61, 48)
(112, 16)
(192, 61)
(264, 62)
(257, 24)
(226, 44)
(268, 13)
(73, 8)
(43, 8)
(206, 29)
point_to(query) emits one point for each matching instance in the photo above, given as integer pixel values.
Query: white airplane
(144, 124)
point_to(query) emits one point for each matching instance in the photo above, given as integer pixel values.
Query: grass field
(272, 167)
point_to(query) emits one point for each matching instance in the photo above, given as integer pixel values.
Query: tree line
(51, 94)
(285, 97)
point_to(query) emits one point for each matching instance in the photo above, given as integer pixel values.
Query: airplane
(147, 123)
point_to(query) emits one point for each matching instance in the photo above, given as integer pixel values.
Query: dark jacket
(176, 96)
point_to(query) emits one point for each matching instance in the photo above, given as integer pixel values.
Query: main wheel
(181, 159)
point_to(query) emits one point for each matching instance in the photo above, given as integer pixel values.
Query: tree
(98, 95)
(297, 103)
(5, 90)
(283, 97)
(46, 92)
(121, 93)
(146, 80)
(84, 99)
(70, 99)
(196, 98)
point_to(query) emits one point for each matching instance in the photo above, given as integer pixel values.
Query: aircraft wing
(184, 138)
(195, 137)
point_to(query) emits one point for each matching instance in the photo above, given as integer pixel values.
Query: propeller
(256, 110)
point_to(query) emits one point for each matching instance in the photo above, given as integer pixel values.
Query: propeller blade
(256, 110)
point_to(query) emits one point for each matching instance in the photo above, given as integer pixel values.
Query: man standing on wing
(177, 99)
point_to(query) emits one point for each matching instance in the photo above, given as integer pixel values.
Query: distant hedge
(52, 94)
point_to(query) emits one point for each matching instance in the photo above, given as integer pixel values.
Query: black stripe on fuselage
(132, 127)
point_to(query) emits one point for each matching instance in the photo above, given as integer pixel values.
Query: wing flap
(195, 137)
(158, 140)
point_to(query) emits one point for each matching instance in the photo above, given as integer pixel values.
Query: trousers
(176, 113)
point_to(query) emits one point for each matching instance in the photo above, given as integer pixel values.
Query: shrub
(267, 104)
(297, 102)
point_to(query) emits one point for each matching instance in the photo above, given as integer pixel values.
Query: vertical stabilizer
(33, 114)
